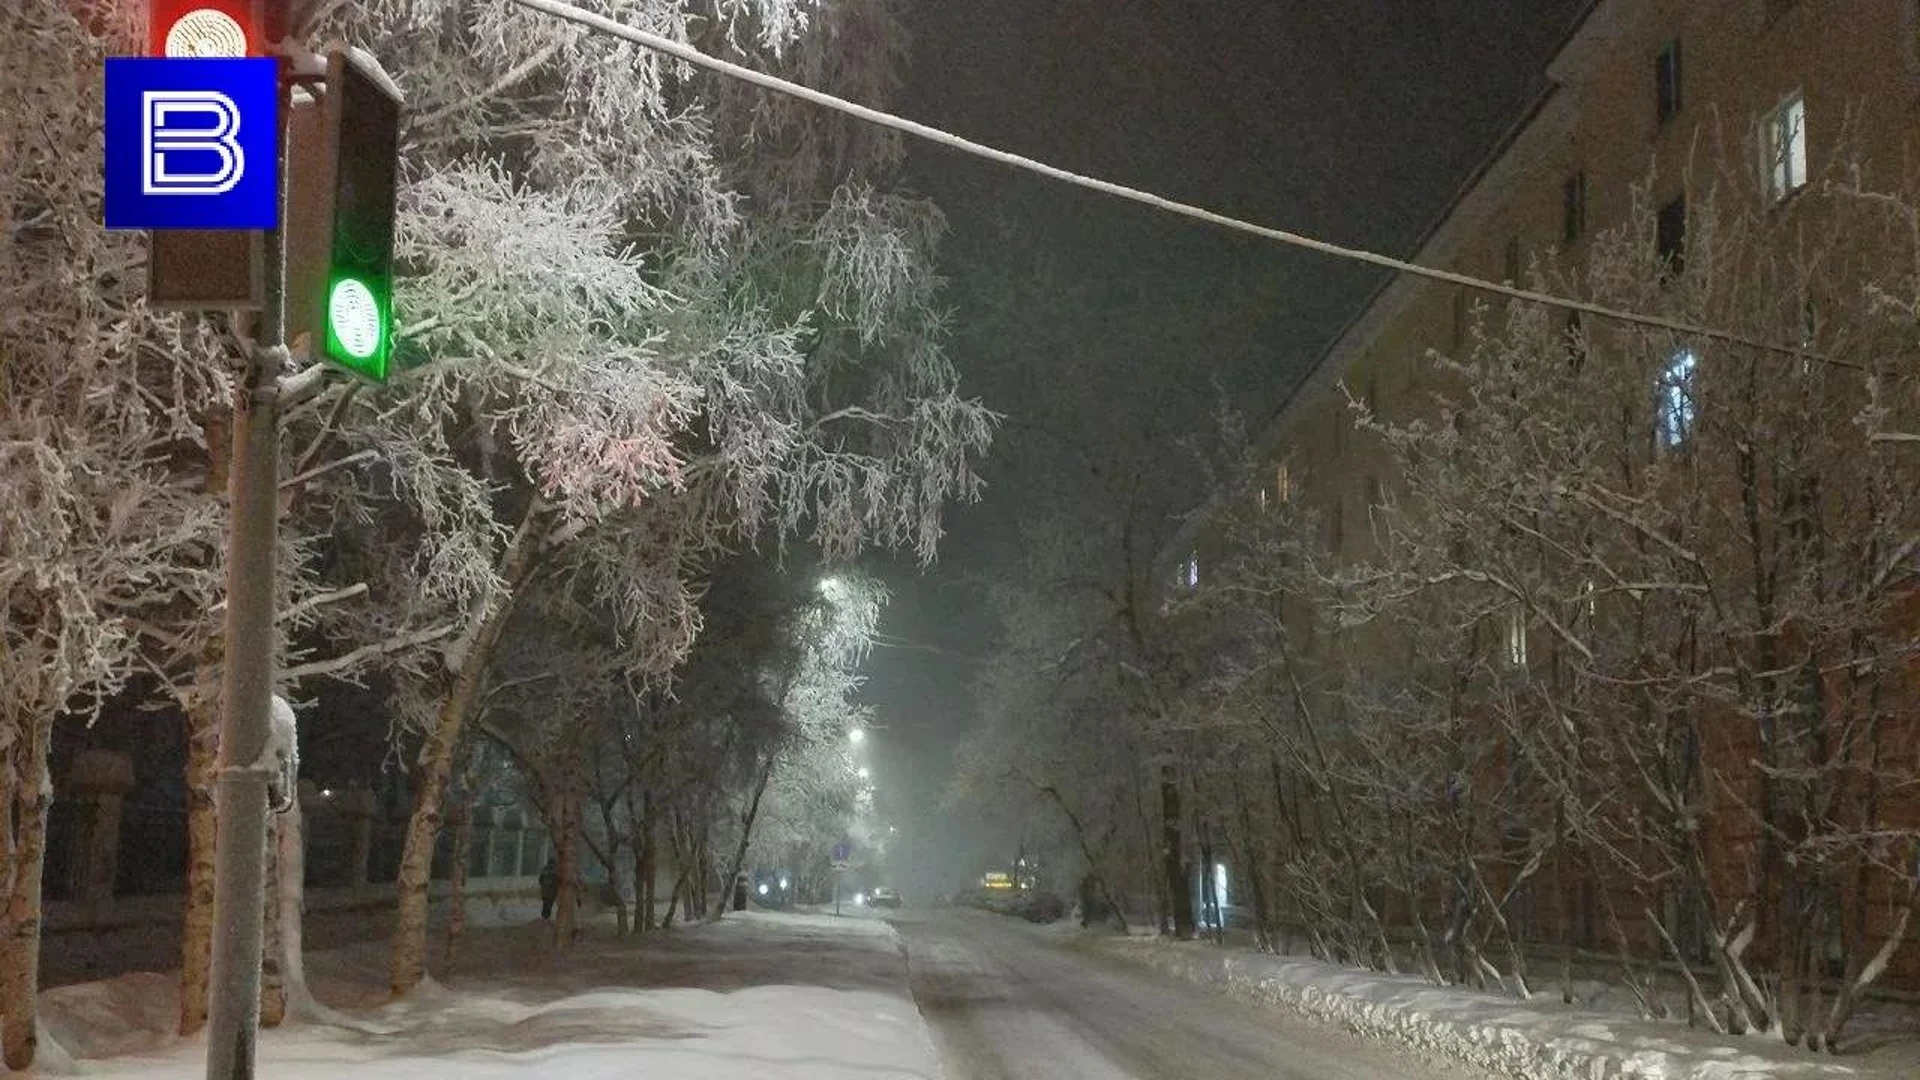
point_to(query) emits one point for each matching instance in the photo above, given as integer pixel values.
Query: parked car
(1040, 907)
(885, 897)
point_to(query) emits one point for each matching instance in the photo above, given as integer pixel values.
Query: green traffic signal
(359, 335)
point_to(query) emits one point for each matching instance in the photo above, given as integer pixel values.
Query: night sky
(1100, 326)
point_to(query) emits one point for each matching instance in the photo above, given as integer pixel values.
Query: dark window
(1459, 319)
(1666, 80)
(1337, 528)
(1574, 207)
(1670, 237)
(1376, 496)
(1510, 262)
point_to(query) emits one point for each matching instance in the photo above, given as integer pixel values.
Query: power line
(571, 13)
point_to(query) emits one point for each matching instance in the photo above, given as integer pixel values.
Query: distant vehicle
(884, 897)
(1040, 907)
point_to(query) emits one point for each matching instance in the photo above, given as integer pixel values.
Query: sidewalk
(1537, 1040)
(757, 995)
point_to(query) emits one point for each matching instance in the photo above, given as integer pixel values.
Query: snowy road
(1004, 999)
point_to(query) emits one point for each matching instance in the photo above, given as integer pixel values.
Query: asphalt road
(1005, 999)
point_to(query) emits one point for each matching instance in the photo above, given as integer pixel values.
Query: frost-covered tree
(107, 531)
(643, 344)
(1622, 655)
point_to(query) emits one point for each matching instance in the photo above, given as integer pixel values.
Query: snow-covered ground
(1540, 1039)
(756, 995)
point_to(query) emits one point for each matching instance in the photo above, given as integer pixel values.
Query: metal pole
(246, 690)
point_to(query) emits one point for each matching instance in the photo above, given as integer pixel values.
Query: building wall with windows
(1653, 93)
(1642, 88)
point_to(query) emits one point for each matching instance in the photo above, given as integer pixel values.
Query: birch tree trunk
(408, 961)
(196, 934)
(746, 837)
(23, 848)
(290, 883)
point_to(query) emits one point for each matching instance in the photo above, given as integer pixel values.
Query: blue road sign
(840, 853)
(190, 143)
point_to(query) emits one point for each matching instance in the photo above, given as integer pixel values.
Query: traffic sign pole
(240, 841)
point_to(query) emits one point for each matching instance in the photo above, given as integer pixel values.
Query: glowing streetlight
(857, 736)
(763, 888)
(863, 772)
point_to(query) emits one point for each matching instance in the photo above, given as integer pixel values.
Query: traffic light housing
(343, 176)
(203, 269)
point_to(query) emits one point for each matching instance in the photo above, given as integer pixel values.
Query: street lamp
(857, 736)
(863, 772)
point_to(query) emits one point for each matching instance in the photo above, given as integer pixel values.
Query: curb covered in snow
(1498, 1035)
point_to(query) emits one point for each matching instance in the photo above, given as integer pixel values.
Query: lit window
(1190, 573)
(1674, 404)
(1783, 135)
(1282, 483)
(1517, 638)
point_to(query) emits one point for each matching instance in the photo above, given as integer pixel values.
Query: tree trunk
(646, 854)
(23, 844)
(566, 841)
(408, 962)
(290, 879)
(273, 986)
(1172, 864)
(746, 836)
(196, 935)
(457, 887)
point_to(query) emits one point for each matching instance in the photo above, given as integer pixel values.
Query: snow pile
(1498, 1035)
(755, 996)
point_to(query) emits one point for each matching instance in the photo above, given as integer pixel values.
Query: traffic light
(202, 28)
(202, 269)
(342, 176)
(363, 136)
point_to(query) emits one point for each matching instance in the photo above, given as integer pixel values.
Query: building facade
(1647, 102)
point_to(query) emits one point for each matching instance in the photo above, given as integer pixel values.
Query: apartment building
(1639, 89)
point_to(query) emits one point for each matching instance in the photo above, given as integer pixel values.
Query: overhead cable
(680, 51)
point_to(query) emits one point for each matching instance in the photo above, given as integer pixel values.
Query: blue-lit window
(1674, 405)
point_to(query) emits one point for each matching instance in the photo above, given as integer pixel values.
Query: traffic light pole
(244, 764)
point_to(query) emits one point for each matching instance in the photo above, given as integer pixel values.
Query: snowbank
(1498, 1035)
(754, 996)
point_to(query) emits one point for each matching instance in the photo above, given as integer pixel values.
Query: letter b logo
(190, 144)
(201, 126)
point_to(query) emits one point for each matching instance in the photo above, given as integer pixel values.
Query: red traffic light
(202, 28)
